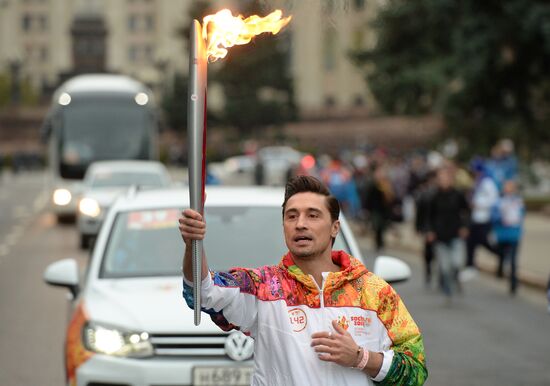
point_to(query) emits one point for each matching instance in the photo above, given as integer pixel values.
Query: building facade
(143, 38)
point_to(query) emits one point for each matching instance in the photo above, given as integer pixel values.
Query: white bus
(96, 117)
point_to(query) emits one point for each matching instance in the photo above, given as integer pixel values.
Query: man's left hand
(338, 346)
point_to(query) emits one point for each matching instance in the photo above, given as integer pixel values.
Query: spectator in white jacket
(484, 197)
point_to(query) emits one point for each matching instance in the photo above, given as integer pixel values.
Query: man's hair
(302, 184)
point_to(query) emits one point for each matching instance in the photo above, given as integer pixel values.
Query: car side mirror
(392, 269)
(63, 273)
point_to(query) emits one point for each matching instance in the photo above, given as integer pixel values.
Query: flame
(223, 30)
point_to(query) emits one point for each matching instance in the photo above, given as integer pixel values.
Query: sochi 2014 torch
(196, 139)
(210, 42)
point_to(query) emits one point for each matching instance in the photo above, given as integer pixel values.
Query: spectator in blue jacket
(508, 217)
(503, 164)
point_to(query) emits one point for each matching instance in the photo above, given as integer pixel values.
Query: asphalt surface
(485, 337)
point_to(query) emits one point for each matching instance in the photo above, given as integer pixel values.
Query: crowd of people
(456, 208)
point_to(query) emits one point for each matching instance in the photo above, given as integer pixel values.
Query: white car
(130, 324)
(235, 170)
(276, 162)
(104, 181)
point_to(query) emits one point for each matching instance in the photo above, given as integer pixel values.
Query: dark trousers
(428, 258)
(508, 255)
(379, 225)
(479, 235)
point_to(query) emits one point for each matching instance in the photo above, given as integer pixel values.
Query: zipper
(326, 365)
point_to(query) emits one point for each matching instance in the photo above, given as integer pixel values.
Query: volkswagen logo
(238, 346)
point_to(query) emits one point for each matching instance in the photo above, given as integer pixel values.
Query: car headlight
(112, 341)
(89, 207)
(61, 197)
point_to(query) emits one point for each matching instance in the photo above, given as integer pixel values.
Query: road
(32, 314)
(484, 338)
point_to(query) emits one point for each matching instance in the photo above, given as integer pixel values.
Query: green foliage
(254, 77)
(482, 64)
(257, 87)
(256, 81)
(29, 95)
(4, 90)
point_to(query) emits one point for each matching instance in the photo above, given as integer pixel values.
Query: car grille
(189, 345)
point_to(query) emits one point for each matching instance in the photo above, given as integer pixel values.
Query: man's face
(307, 225)
(444, 179)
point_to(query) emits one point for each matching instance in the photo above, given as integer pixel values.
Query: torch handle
(196, 128)
(197, 251)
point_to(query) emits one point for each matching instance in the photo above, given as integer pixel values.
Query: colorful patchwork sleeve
(228, 297)
(408, 366)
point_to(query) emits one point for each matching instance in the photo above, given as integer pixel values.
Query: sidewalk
(533, 258)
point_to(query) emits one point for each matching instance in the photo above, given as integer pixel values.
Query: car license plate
(218, 376)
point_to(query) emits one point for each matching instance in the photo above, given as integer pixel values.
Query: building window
(148, 53)
(329, 6)
(330, 101)
(82, 47)
(43, 22)
(329, 49)
(149, 22)
(132, 23)
(28, 52)
(43, 53)
(359, 4)
(133, 53)
(26, 22)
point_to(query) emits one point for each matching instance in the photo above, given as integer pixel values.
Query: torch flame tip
(223, 30)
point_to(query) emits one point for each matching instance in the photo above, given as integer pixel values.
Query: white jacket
(281, 307)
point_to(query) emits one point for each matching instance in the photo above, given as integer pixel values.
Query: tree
(482, 64)
(254, 77)
(175, 95)
(256, 81)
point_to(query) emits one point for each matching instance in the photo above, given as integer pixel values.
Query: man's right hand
(192, 226)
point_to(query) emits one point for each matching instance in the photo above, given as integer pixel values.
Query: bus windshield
(95, 130)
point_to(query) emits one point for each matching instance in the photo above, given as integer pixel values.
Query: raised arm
(228, 297)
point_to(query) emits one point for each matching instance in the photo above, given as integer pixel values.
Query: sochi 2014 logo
(343, 322)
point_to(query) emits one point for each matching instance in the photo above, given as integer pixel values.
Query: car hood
(154, 305)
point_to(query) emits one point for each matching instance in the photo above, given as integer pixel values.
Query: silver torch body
(196, 145)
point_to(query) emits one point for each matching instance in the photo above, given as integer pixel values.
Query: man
(318, 317)
(423, 197)
(447, 224)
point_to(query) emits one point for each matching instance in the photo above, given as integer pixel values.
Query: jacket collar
(350, 269)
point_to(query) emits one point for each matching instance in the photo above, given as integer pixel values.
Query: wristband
(364, 359)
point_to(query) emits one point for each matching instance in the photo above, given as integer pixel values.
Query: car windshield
(147, 243)
(116, 179)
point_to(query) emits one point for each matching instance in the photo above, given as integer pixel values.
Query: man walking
(448, 218)
(319, 317)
